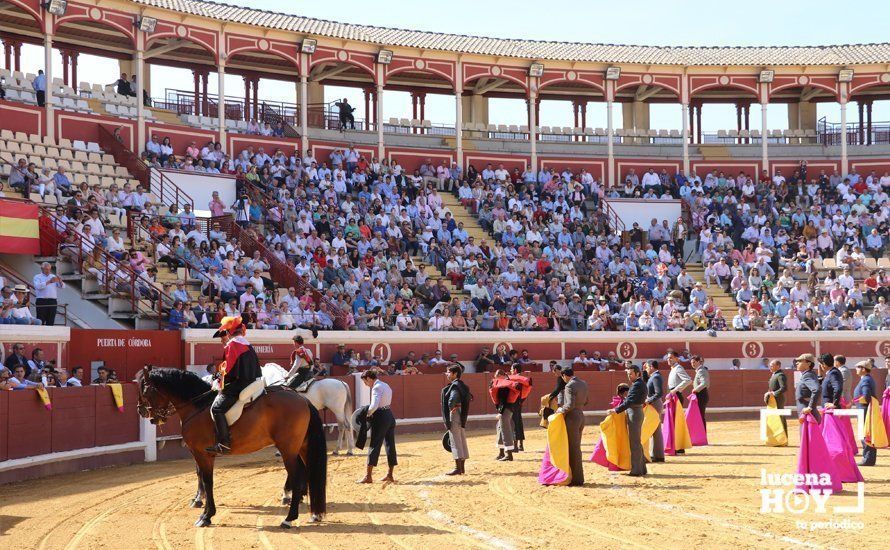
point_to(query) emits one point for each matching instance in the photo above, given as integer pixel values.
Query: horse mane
(183, 385)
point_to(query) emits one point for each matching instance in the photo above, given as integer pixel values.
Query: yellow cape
(875, 431)
(44, 396)
(681, 430)
(558, 440)
(117, 392)
(776, 436)
(651, 421)
(616, 440)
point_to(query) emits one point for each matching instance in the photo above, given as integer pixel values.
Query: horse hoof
(348, 453)
(315, 518)
(285, 500)
(335, 452)
(285, 524)
(202, 522)
(197, 504)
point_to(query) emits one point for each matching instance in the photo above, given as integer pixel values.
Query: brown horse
(281, 417)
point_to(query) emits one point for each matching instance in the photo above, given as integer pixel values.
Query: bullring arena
(557, 291)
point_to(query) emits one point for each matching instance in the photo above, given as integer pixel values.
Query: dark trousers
(703, 404)
(518, 427)
(223, 402)
(46, 311)
(634, 432)
(383, 432)
(869, 454)
(656, 449)
(41, 98)
(575, 425)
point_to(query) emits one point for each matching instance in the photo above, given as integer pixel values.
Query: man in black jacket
(655, 388)
(832, 382)
(808, 393)
(456, 399)
(778, 385)
(633, 404)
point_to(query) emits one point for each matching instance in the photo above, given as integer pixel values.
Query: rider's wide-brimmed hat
(227, 325)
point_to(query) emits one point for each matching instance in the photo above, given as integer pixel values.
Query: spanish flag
(19, 228)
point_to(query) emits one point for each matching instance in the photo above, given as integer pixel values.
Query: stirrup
(219, 449)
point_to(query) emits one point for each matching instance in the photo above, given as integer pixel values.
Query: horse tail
(317, 463)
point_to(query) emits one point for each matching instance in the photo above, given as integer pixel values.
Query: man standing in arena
(383, 425)
(456, 399)
(778, 385)
(700, 385)
(862, 399)
(655, 389)
(301, 363)
(678, 380)
(633, 403)
(840, 361)
(571, 401)
(240, 368)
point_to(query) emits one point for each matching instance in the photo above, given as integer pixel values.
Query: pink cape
(697, 431)
(846, 423)
(839, 448)
(667, 426)
(814, 458)
(599, 451)
(550, 474)
(885, 410)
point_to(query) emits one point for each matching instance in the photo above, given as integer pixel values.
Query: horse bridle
(154, 415)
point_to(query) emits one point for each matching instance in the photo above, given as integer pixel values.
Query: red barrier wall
(80, 418)
(125, 351)
(4, 428)
(29, 427)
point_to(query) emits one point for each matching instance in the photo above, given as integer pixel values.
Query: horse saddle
(247, 396)
(304, 387)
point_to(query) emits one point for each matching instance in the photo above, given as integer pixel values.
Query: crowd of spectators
(364, 232)
(19, 372)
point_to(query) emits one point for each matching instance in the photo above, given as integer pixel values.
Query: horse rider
(240, 368)
(301, 364)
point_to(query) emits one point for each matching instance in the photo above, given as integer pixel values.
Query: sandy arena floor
(709, 498)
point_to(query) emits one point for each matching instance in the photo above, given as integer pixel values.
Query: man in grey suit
(571, 401)
(633, 403)
(655, 388)
(678, 380)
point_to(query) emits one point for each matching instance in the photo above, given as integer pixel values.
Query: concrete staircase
(461, 214)
(722, 299)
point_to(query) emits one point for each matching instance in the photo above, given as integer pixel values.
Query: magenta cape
(846, 423)
(814, 459)
(676, 433)
(697, 431)
(550, 474)
(885, 410)
(599, 451)
(838, 446)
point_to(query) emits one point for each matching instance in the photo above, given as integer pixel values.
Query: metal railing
(153, 181)
(11, 277)
(114, 278)
(615, 221)
(830, 133)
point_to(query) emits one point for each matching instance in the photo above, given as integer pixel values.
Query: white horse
(327, 393)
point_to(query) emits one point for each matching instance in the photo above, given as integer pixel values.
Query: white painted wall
(200, 188)
(642, 211)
